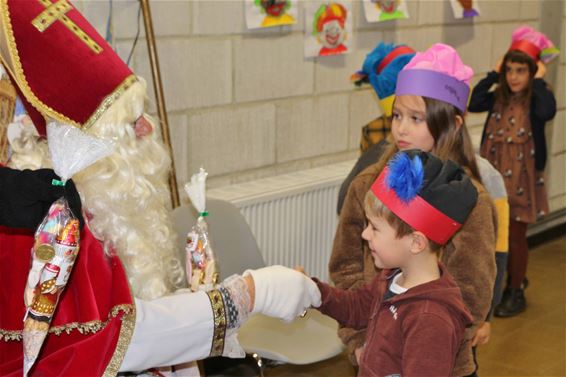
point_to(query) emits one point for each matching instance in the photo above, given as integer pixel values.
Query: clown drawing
(389, 9)
(468, 9)
(275, 12)
(329, 26)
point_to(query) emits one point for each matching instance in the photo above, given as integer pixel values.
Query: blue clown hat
(381, 68)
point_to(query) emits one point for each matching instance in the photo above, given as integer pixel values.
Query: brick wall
(246, 104)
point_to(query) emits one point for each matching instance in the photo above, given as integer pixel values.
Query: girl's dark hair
(450, 140)
(503, 92)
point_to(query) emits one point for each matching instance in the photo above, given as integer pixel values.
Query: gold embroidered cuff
(219, 313)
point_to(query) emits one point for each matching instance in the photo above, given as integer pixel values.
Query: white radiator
(292, 216)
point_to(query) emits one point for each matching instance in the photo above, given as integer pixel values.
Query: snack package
(201, 266)
(57, 238)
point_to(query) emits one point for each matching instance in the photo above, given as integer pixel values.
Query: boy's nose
(364, 233)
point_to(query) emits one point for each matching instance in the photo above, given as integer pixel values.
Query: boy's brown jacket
(469, 257)
(415, 333)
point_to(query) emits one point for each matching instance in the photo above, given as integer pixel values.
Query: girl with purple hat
(428, 114)
(513, 141)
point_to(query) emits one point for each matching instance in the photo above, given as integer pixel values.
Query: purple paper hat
(437, 73)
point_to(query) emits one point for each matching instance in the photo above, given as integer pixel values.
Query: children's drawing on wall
(328, 29)
(267, 13)
(383, 10)
(465, 8)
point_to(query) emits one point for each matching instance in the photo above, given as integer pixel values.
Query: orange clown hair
(329, 12)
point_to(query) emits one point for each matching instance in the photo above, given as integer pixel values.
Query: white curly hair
(127, 198)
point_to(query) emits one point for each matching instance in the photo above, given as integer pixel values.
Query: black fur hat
(430, 195)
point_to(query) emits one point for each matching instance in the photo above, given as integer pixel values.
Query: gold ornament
(45, 252)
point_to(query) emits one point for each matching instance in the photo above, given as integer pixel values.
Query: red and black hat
(432, 196)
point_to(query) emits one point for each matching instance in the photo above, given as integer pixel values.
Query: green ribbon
(203, 214)
(56, 182)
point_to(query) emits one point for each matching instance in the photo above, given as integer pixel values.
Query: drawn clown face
(387, 6)
(274, 7)
(332, 34)
(466, 4)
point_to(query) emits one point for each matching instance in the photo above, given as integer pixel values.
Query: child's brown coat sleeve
(470, 258)
(351, 264)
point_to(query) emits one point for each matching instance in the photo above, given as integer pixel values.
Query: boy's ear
(419, 242)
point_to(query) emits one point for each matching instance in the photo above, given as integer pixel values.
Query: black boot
(505, 294)
(525, 283)
(512, 303)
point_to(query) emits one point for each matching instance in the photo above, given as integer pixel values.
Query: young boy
(413, 310)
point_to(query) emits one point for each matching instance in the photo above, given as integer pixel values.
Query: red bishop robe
(93, 322)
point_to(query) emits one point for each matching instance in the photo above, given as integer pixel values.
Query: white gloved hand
(282, 292)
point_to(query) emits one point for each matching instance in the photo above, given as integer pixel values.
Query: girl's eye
(396, 115)
(417, 119)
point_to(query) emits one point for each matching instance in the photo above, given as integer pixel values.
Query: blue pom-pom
(405, 176)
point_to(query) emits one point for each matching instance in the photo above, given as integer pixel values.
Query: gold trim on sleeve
(82, 327)
(219, 312)
(126, 332)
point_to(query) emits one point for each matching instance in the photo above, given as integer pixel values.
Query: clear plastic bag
(201, 265)
(57, 238)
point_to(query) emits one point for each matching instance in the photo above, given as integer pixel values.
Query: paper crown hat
(533, 43)
(437, 73)
(381, 68)
(431, 196)
(62, 67)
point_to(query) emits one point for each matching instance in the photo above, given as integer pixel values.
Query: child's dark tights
(518, 253)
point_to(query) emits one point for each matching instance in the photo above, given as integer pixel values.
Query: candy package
(201, 265)
(57, 238)
(54, 252)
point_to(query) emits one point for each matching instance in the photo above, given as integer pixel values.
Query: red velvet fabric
(97, 284)
(61, 70)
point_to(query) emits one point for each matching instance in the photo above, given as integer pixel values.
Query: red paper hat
(533, 43)
(61, 65)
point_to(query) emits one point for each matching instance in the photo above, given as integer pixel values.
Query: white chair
(305, 340)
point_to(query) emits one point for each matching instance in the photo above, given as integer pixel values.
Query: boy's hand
(482, 334)
(251, 290)
(541, 70)
(358, 353)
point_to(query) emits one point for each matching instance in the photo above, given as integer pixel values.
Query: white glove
(282, 292)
